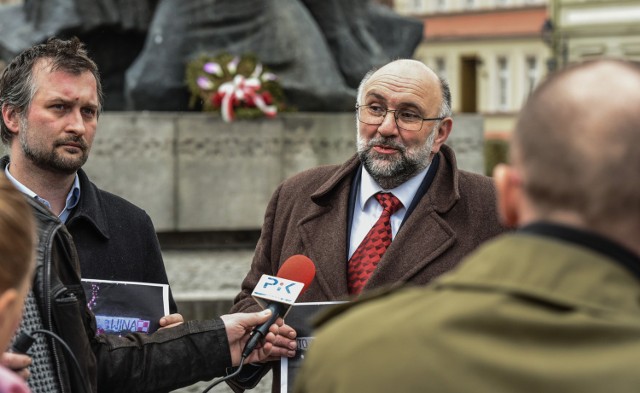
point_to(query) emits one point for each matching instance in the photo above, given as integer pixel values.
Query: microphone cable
(233, 374)
(24, 341)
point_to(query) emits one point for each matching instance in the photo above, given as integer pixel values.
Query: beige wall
(498, 118)
(497, 105)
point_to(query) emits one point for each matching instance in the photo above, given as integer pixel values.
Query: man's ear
(442, 133)
(509, 194)
(11, 118)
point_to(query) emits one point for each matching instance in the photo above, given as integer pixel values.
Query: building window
(441, 5)
(503, 84)
(469, 4)
(532, 73)
(441, 67)
(501, 3)
(417, 6)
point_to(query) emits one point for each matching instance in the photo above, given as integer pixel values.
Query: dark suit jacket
(308, 215)
(115, 239)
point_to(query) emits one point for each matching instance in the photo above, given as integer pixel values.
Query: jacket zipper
(47, 296)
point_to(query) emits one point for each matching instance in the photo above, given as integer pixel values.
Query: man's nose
(388, 125)
(75, 122)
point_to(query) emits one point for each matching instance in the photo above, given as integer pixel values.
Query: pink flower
(204, 83)
(212, 68)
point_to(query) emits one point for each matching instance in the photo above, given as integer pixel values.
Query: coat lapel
(424, 235)
(422, 239)
(324, 231)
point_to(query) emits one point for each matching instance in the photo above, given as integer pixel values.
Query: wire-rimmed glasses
(406, 119)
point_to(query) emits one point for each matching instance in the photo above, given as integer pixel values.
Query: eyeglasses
(406, 119)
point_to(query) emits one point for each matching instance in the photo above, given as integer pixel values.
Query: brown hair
(17, 86)
(17, 236)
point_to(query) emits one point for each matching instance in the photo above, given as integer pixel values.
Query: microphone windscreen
(298, 268)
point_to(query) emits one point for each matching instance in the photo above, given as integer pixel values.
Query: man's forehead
(384, 84)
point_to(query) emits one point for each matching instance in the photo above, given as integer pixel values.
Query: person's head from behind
(576, 153)
(51, 96)
(403, 118)
(17, 253)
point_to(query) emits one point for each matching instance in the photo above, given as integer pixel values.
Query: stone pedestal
(194, 172)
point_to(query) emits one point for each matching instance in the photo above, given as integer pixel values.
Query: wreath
(235, 86)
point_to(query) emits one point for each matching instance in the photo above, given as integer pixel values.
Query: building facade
(587, 29)
(492, 53)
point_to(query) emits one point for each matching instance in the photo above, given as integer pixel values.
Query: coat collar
(90, 207)
(423, 236)
(549, 268)
(445, 184)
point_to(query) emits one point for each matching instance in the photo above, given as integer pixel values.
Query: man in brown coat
(403, 121)
(551, 307)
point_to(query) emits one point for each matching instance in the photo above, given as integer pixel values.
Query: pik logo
(277, 289)
(279, 285)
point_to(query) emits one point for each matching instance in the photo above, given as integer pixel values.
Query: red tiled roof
(499, 23)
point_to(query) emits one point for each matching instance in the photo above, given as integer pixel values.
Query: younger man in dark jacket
(50, 97)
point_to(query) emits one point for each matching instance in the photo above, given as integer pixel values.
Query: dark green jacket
(525, 313)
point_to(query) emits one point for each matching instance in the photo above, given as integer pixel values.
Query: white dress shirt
(367, 210)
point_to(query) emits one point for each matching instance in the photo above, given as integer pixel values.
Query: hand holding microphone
(279, 293)
(275, 294)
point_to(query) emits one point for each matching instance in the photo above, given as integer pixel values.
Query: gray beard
(390, 172)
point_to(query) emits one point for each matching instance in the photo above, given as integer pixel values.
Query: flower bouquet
(235, 86)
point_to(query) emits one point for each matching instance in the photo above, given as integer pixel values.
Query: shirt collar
(404, 192)
(72, 197)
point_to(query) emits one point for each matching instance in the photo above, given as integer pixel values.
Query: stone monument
(320, 49)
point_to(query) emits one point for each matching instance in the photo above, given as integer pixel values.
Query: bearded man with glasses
(399, 212)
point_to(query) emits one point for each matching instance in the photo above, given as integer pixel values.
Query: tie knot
(389, 202)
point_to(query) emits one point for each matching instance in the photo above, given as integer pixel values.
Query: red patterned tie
(366, 257)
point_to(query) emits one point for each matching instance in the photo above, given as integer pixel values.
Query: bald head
(577, 142)
(414, 74)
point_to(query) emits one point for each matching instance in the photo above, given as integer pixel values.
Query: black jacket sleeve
(163, 361)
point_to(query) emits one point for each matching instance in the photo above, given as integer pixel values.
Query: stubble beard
(390, 171)
(51, 160)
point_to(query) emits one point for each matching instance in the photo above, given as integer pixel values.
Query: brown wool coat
(308, 214)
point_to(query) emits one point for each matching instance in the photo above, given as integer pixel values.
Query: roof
(500, 23)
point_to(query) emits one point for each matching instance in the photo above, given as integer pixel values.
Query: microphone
(22, 343)
(279, 293)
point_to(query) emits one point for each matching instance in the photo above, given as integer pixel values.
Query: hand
(17, 362)
(239, 327)
(282, 344)
(171, 320)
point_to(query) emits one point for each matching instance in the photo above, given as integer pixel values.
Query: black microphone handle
(277, 310)
(22, 343)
